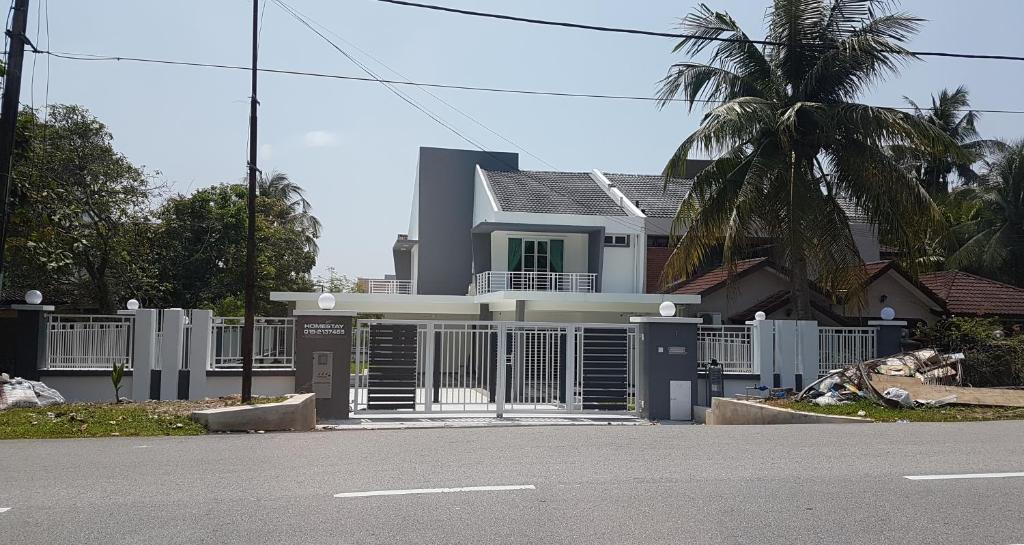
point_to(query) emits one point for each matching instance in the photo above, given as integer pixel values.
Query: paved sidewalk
(469, 420)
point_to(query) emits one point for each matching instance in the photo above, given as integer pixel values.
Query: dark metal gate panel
(605, 369)
(391, 374)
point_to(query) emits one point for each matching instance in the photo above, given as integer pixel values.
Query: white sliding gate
(477, 366)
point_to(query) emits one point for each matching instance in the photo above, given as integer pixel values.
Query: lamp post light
(33, 297)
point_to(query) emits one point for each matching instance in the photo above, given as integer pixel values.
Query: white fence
(88, 341)
(842, 346)
(729, 345)
(273, 343)
(493, 281)
(389, 287)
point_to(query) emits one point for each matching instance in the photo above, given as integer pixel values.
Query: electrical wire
(75, 56)
(641, 32)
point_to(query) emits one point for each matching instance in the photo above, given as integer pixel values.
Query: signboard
(323, 374)
(322, 329)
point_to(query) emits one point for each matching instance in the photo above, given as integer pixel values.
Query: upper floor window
(536, 255)
(616, 240)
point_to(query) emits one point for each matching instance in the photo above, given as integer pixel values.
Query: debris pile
(855, 381)
(18, 392)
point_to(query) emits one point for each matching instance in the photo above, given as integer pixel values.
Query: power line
(641, 32)
(73, 56)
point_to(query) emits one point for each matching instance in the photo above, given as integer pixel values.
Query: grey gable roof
(655, 198)
(550, 193)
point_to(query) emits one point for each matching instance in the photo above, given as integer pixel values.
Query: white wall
(622, 270)
(902, 296)
(483, 207)
(99, 388)
(744, 292)
(218, 386)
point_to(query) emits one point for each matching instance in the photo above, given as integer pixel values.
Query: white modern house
(489, 241)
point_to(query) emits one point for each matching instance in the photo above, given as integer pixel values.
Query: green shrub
(989, 361)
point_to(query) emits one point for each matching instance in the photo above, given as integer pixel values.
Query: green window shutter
(557, 258)
(515, 254)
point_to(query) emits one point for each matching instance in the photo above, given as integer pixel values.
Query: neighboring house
(969, 295)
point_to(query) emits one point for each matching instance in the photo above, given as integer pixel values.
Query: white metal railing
(493, 281)
(729, 345)
(389, 287)
(88, 341)
(273, 343)
(842, 346)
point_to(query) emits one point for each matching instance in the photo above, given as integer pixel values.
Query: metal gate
(493, 367)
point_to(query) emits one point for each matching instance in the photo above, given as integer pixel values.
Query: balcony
(389, 287)
(493, 281)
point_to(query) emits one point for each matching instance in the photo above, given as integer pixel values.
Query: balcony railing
(389, 287)
(492, 281)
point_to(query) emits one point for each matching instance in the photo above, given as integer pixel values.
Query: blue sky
(353, 145)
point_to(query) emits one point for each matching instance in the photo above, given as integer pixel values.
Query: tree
(950, 112)
(203, 260)
(298, 212)
(80, 218)
(788, 140)
(994, 235)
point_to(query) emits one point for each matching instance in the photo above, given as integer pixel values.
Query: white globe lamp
(132, 304)
(667, 309)
(33, 297)
(760, 315)
(888, 313)
(326, 301)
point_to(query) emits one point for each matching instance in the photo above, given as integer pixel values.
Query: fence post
(807, 352)
(888, 336)
(199, 348)
(143, 352)
(570, 367)
(785, 353)
(499, 389)
(172, 336)
(429, 361)
(29, 349)
(762, 343)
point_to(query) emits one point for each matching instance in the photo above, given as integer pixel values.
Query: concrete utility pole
(250, 232)
(9, 116)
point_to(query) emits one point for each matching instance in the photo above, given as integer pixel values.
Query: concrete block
(733, 412)
(297, 413)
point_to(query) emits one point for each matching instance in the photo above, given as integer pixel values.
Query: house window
(620, 241)
(536, 255)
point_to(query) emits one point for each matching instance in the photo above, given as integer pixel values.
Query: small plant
(115, 376)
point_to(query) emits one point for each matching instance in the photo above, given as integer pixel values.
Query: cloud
(321, 139)
(266, 152)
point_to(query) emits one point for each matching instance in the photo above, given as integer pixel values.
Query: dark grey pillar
(890, 337)
(520, 310)
(29, 340)
(668, 353)
(323, 359)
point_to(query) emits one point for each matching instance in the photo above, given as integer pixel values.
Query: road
(602, 484)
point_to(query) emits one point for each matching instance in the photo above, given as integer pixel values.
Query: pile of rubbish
(854, 381)
(18, 392)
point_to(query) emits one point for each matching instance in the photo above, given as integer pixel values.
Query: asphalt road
(607, 485)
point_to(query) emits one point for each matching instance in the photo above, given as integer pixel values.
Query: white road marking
(4, 509)
(963, 476)
(435, 490)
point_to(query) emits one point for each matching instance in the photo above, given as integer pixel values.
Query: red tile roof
(717, 278)
(969, 295)
(657, 257)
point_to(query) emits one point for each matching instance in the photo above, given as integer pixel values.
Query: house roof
(717, 277)
(550, 193)
(855, 213)
(651, 194)
(971, 295)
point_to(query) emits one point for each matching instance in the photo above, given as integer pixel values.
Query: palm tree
(279, 187)
(994, 238)
(789, 143)
(950, 112)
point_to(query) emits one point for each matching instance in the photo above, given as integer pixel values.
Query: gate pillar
(667, 388)
(323, 359)
(27, 342)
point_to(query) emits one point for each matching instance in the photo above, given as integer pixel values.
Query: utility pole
(9, 117)
(250, 230)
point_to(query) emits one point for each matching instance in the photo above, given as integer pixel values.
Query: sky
(353, 145)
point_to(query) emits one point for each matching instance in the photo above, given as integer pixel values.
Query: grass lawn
(110, 420)
(878, 413)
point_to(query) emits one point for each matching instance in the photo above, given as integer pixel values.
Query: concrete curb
(734, 412)
(455, 424)
(296, 413)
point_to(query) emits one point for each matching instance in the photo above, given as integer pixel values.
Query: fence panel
(729, 345)
(88, 341)
(273, 343)
(842, 346)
